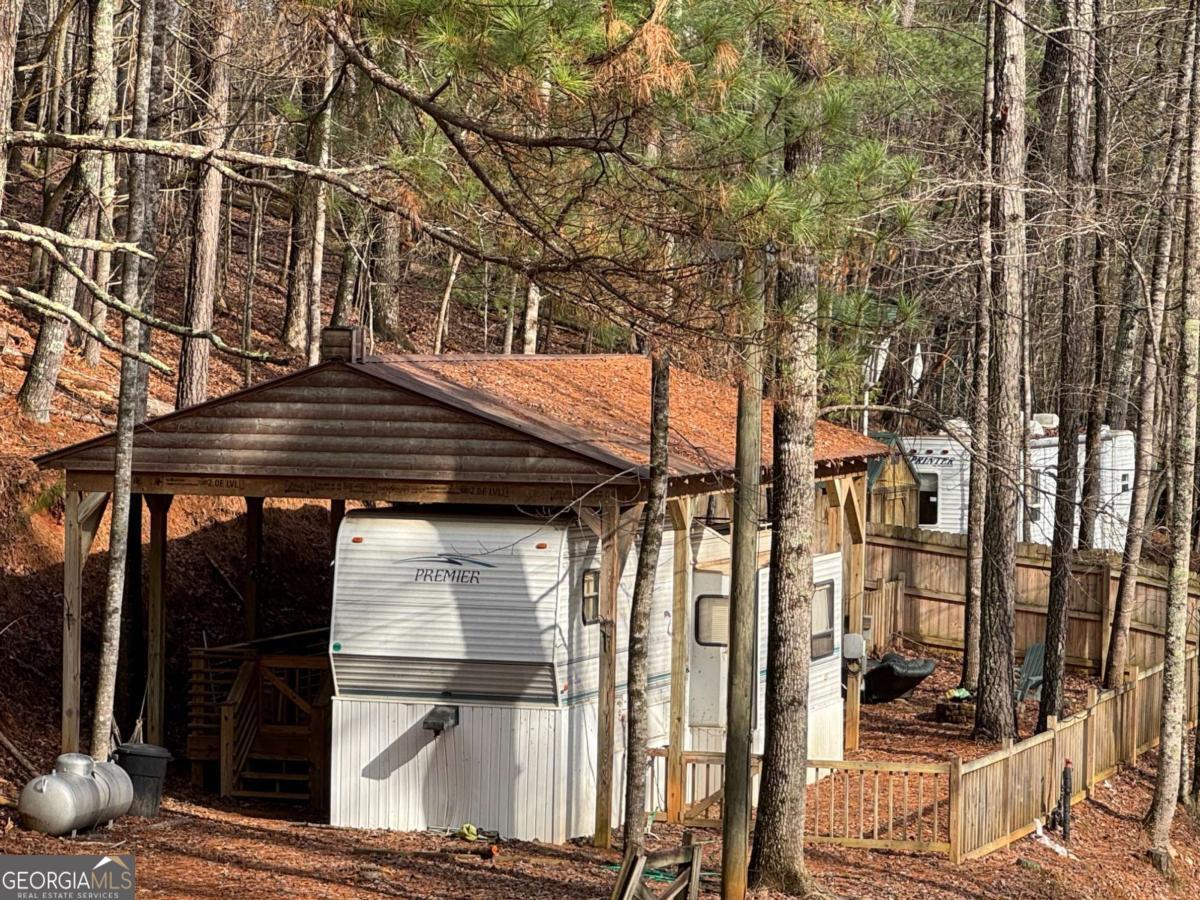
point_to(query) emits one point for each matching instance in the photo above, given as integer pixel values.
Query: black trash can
(147, 768)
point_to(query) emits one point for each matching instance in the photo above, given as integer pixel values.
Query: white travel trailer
(942, 463)
(465, 655)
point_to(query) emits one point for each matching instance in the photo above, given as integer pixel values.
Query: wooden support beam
(681, 512)
(156, 625)
(854, 492)
(83, 514)
(254, 548)
(617, 530)
(72, 608)
(133, 613)
(610, 579)
(337, 512)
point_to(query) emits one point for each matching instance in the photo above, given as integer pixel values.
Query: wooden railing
(881, 805)
(961, 809)
(240, 716)
(244, 706)
(885, 805)
(212, 674)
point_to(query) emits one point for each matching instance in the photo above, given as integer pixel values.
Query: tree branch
(120, 305)
(331, 22)
(43, 305)
(66, 240)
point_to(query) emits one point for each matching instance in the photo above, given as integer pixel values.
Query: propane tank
(79, 794)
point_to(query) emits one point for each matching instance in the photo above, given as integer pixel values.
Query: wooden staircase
(264, 719)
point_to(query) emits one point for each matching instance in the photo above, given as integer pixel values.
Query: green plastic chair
(1029, 679)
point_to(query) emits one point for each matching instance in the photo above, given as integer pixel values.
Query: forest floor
(204, 847)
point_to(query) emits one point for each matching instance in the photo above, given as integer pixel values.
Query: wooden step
(274, 776)
(270, 795)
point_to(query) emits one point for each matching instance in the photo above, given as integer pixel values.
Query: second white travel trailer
(942, 463)
(465, 655)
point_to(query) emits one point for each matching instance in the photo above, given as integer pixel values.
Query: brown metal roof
(519, 419)
(603, 403)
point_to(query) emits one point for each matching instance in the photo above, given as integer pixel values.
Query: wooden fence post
(956, 811)
(1106, 616)
(1132, 676)
(1089, 742)
(1051, 781)
(1007, 746)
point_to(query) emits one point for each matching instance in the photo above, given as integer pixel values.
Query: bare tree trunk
(118, 542)
(167, 17)
(443, 316)
(1072, 355)
(735, 828)
(1122, 409)
(103, 270)
(1144, 454)
(487, 302)
(533, 301)
(1052, 79)
(1090, 501)
(37, 391)
(256, 221)
(778, 858)
(1174, 684)
(192, 386)
(510, 315)
(994, 708)
(977, 497)
(638, 712)
(385, 302)
(316, 262)
(343, 301)
(10, 21)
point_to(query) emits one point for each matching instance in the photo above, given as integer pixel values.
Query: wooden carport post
(616, 532)
(254, 547)
(852, 493)
(681, 510)
(156, 624)
(83, 515)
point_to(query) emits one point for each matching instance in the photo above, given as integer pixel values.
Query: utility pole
(735, 855)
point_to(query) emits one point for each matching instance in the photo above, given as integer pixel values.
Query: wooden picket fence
(963, 810)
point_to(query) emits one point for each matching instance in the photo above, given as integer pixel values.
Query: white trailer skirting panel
(501, 768)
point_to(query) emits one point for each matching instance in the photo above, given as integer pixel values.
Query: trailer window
(822, 620)
(712, 620)
(591, 596)
(927, 499)
(1124, 482)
